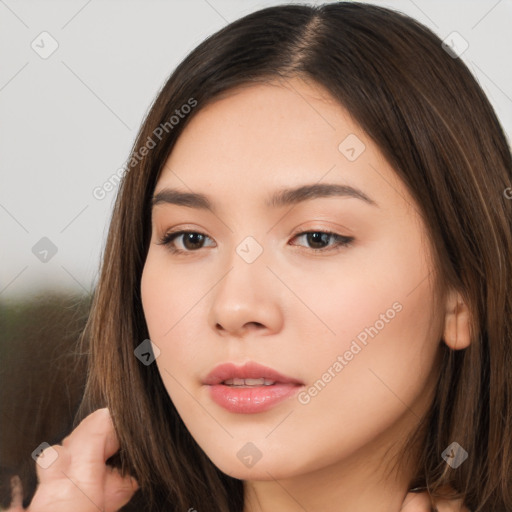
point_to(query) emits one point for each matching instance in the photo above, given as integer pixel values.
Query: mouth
(251, 374)
(251, 388)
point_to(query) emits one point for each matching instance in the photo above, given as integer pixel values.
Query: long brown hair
(435, 126)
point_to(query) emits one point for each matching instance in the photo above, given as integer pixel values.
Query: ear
(456, 324)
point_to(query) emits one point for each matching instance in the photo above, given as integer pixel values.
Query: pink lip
(249, 400)
(250, 370)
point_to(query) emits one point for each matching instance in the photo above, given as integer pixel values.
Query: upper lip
(250, 370)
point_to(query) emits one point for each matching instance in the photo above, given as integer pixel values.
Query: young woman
(314, 232)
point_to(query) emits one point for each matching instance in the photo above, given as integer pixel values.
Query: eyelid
(331, 227)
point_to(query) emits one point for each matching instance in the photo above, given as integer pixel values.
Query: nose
(247, 301)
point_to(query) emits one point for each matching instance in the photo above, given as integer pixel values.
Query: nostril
(249, 326)
(254, 324)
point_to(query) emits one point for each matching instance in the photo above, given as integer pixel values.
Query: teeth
(248, 382)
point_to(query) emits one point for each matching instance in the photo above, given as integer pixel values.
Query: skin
(291, 309)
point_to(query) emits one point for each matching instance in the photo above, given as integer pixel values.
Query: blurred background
(76, 79)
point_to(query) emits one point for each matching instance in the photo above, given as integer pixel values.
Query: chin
(239, 465)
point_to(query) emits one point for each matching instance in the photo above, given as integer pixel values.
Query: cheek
(173, 300)
(378, 314)
(374, 373)
(167, 295)
(361, 295)
(157, 299)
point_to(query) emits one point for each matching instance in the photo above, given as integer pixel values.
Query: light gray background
(67, 122)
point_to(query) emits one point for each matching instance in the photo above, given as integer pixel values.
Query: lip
(249, 400)
(250, 370)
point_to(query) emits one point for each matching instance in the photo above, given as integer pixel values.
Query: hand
(79, 479)
(420, 502)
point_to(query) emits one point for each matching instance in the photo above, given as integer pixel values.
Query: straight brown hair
(433, 123)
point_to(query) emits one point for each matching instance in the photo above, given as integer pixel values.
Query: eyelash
(343, 241)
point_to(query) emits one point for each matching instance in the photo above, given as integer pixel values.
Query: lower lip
(247, 400)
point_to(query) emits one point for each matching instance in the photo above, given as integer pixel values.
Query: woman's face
(357, 323)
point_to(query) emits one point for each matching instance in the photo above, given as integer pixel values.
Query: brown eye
(319, 240)
(191, 241)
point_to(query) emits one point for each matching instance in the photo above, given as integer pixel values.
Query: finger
(16, 495)
(416, 502)
(94, 439)
(118, 490)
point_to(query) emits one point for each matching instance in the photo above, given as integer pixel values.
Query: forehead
(264, 115)
(256, 139)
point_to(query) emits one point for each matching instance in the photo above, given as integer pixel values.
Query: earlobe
(457, 320)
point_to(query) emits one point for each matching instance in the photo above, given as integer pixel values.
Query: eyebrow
(281, 198)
